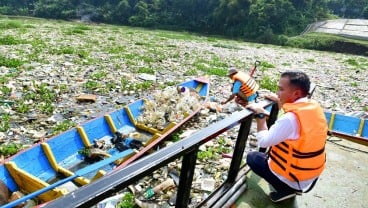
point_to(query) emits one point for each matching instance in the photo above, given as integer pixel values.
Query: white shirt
(285, 127)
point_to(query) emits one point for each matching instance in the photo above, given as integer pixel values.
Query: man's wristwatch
(259, 115)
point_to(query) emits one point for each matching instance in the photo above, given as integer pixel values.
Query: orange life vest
(304, 158)
(249, 85)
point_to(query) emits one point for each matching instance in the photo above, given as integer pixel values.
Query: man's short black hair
(298, 79)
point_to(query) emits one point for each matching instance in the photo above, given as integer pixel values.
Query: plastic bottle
(160, 187)
(183, 90)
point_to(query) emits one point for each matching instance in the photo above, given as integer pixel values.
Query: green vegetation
(211, 67)
(89, 59)
(69, 50)
(4, 122)
(267, 21)
(92, 85)
(63, 126)
(22, 107)
(265, 65)
(79, 29)
(98, 75)
(175, 137)
(117, 49)
(144, 85)
(219, 45)
(127, 201)
(310, 60)
(46, 107)
(190, 72)
(5, 90)
(124, 83)
(214, 152)
(146, 70)
(82, 27)
(74, 31)
(268, 83)
(171, 83)
(352, 62)
(9, 149)
(10, 40)
(10, 24)
(356, 99)
(63, 88)
(45, 93)
(205, 155)
(327, 42)
(84, 151)
(365, 108)
(10, 62)
(42, 99)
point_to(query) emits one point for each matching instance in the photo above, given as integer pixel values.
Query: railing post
(273, 115)
(186, 178)
(239, 149)
(271, 120)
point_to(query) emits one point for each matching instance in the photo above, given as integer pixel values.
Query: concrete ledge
(343, 183)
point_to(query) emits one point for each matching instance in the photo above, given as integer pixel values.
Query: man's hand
(229, 99)
(274, 98)
(256, 108)
(241, 101)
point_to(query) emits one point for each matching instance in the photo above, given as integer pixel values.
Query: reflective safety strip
(199, 87)
(332, 121)
(130, 115)
(168, 127)
(50, 156)
(84, 137)
(111, 123)
(361, 125)
(29, 183)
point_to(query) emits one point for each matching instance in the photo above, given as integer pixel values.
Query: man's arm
(234, 90)
(261, 124)
(231, 97)
(286, 127)
(260, 115)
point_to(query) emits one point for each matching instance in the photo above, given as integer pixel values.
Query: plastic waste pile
(170, 105)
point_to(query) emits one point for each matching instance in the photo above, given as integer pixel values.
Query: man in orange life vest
(297, 139)
(244, 88)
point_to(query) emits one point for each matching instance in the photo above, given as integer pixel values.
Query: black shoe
(280, 196)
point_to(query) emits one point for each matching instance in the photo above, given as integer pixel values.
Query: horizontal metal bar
(216, 195)
(235, 189)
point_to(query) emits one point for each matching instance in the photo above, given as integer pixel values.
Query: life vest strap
(302, 168)
(282, 149)
(299, 154)
(310, 187)
(277, 162)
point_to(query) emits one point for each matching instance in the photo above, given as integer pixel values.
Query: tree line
(267, 21)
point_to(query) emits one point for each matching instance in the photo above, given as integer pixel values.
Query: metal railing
(186, 150)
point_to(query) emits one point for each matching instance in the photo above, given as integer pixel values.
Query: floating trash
(170, 105)
(110, 202)
(150, 192)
